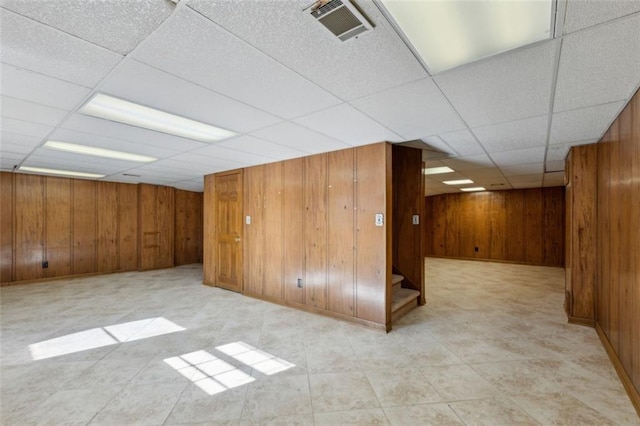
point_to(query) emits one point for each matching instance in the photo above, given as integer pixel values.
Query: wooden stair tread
(402, 297)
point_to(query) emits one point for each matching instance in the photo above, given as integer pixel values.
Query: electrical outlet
(379, 219)
(415, 219)
(45, 264)
(299, 282)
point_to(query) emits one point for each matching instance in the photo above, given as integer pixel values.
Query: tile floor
(491, 347)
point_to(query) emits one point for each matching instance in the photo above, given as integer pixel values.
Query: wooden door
(228, 220)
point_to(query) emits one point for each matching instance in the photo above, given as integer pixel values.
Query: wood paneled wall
(312, 220)
(408, 200)
(188, 228)
(522, 225)
(618, 245)
(84, 227)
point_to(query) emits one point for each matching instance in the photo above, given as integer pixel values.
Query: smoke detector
(340, 17)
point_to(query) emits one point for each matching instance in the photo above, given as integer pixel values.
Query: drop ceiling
(289, 88)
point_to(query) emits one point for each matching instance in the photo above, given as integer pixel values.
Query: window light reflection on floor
(208, 372)
(102, 336)
(262, 361)
(213, 375)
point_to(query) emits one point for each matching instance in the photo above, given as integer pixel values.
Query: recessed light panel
(437, 170)
(478, 188)
(449, 33)
(457, 182)
(97, 152)
(60, 172)
(114, 109)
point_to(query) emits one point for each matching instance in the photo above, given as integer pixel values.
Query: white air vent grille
(341, 18)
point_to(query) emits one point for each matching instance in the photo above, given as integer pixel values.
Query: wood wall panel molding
(253, 245)
(107, 226)
(84, 227)
(273, 231)
(128, 250)
(208, 231)
(293, 220)
(503, 225)
(188, 228)
(58, 229)
(315, 230)
(6, 227)
(29, 227)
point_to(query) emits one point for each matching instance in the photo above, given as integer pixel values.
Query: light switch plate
(379, 219)
(247, 220)
(416, 219)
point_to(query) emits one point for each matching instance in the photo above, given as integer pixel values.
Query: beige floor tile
(458, 382)
(196, 406)
(341, 391)
(373, 416)
(560, 409)
(419, 415)
(395, 387)
(492, 412)
(277, 396)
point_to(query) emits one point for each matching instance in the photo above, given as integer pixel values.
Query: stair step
(396, 280)
(404, 300)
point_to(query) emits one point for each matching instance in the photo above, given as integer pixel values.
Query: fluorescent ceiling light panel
(457, 182)
(437, 170)
(60, 172)
(114, 109)
(97, 152)
(478, 188)
(449, 33)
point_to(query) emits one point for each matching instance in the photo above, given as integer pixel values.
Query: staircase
(403, 299)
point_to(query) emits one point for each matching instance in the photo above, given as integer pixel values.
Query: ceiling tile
(536, 177)
(9, 160)
(37, 47)
(202, 160)
(507, 87)
(116, 25)
(30, 86)
(230, 66)
(300, 138)
(71, 136)
(554, 166)
(486, 173)
(463, 143)
(599, 65)
(243, 159)
(414, 110)
(519, 156)
(190, 167)
(29, 111)
(436, 144)
(522, 169)
(26, 128)
(148, 86)
(583, 124)
(75, 162)
(261, 147)
(560, 151)
(375, 61)
(25, 141)
(345, 123)
(519, 134)
(469, 163)
(586, 13)
(195, 185)
(526, 185)
(111, 129)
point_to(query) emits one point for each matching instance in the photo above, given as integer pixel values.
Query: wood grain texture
(188, 229)
(29, 227)
(273, 231)
(229, 230)
(582, 240)
(208, 231)
(618, 244)
(408, 195)
(315, 230)
(6, 227)
(127, 227)
(156, 212)
(503, 225)
(253, 248)
(58, 229)
(341, 238)
(373, 260)
(84, 226)
(107, 226)
(293, 214)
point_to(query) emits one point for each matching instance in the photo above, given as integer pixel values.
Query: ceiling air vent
(341, 18)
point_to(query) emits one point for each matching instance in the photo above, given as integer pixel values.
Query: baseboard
(581, 321)
(633, 393)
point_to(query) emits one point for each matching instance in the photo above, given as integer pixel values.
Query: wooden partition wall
(521, 225)
(618, 242)
(408, 201)
(84, 227)
(312, 241)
